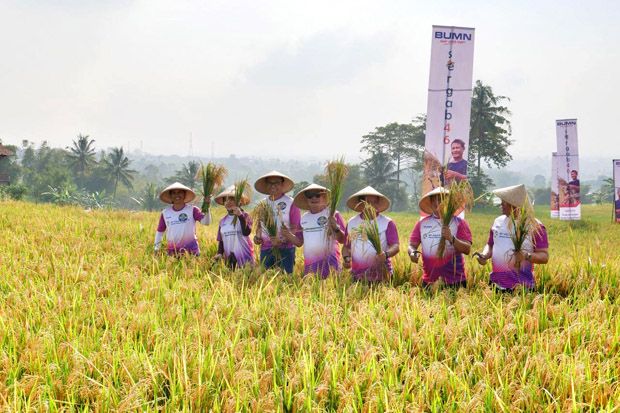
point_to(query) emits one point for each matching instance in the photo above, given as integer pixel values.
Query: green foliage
(490, 130)
(149, 198)
(352, 183)
(81, 156)
(187, 175)
(116, 167)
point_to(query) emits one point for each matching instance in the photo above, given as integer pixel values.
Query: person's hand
(236, 211)
(380, 258)
(275, 241)
(333, 224)
(207, 199)
(446, 233)
(414, 255)
(519, 257)
(218, 257)
(258, 240)
(286, 233)
(449, 174)
(482, 259)
(346, 262)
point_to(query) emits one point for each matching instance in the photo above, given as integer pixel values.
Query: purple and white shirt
(451, 266)
(286, 213)
(321, 253)
(180, 229)
(235, 239)
(504, 273)
(363, 253)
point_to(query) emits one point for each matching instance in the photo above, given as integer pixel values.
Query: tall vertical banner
(449, 106)
(617, 189)
(568, 169)
(555, 199)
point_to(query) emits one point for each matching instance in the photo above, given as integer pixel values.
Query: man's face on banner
(457, 150)
(573, 175)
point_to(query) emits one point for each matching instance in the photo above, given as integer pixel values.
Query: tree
(353, 183)
(402, 143)
(489, 136)
(187, 175)
(380, 173)
(81, 155)
(116, 165)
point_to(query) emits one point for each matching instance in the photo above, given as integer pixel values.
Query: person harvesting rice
(449, 264)
(178, 221)
(371, 238)
(321, 249)
(517, 241)
(233, 235)
(276, 250)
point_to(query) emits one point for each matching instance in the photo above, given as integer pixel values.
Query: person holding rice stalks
(233, 235)
(320, 232)
(275, 249)
(429, 231)
(517, 241)
(178, 221)
(371, 238)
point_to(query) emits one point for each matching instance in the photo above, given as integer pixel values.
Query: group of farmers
(329, 244)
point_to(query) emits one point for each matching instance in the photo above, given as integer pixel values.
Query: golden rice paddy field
(90, 320)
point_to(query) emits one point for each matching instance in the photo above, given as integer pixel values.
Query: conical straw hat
(425, 202)
(354, 203)
(262, 187)
(301, 201)
(514, 195)
(165, 194)
(230, 192)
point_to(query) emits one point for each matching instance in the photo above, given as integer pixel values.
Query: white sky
(293, 78)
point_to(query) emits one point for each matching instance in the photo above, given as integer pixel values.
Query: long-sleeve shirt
(235, 239)
(286, 213)
(180, 229)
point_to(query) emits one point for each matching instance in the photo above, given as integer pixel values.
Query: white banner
(449, 106)
(568, 169)
(555, 200)
(617, 189)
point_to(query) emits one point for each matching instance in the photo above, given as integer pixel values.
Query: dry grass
(91, 320)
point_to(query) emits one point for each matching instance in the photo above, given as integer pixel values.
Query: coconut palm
(187, 175)
(82, 155)
(117, 169)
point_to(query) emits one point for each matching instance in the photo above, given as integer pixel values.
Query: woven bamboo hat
(262, 187)
(354, 202)
(300, 199)
(514, 195)
(230, 192)
(425, 202)
(165, 194)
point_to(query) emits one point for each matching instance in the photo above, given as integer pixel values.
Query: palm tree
(82, 154)
(490, 130)
(187, 175)
(117, 168)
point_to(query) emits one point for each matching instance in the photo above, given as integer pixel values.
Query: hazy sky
(293, 78)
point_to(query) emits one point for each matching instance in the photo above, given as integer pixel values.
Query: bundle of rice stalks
(524, 226)
(459, 198)
(242, 188)
(211, 176)
(369, 230)
(336, 172)
(265, 220)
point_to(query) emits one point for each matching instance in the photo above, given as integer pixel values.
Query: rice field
(91, 320)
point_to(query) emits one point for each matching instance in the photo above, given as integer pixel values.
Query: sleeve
(341, 224)
(220, 246)
(202, 218)
(463, 232)
(159, 236)
(219, 233)
(246, 224)
(490, 240)
(161, 227)
(416, 236)
(295, 221)
(391, 234)
(540, 239)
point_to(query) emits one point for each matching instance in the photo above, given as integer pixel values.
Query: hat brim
(165, 197)
(261, 184)
(301, 201)
(358, 206)
(245, 200)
